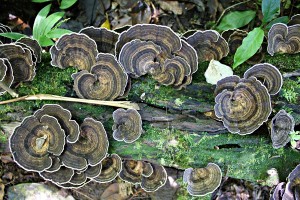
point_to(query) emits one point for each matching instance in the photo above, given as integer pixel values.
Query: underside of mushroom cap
(6, 74)
(156, 180)
(104, 38)
(76, 50)
(244, 108)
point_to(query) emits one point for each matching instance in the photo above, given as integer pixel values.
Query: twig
(291, 74)
(120, 104)
(8, 89)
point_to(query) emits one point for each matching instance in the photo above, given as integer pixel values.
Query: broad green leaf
(270, 9)
(12, 35)
(41, 16)
(50, 21)
(40, 1)
(44, 41)
(283, 19)
(66, 4)
(249, 46)
(56, 33)
(236, 19)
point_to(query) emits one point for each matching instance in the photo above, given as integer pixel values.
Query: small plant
(295, 136)
(289, 90)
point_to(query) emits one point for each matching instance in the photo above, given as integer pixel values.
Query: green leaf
(44, 41)
(40, 1)
(56, 33)
(66, 4)
(12, 35)
(249, 46)
(236, 19)
(270, 9)
(39, 20)
(283, 19)
(50, 21)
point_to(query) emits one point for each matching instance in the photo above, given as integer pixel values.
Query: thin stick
(8, 89)
(120, 104)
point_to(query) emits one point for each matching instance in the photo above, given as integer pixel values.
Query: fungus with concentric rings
(133, 170)
(127, 125)
(156, 180)
(63, 175)
(202, 181)
(4, 29)
(33, 45)
(292, 189)
(76, 50)
(6, 75)
(244, 107)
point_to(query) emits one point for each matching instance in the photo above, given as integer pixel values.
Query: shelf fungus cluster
(202, 181)
(69, 155)
(244, 104)
(4, 29)
(127, 125)
(157, 51)
(150, 176)
(281, 125)
(284, 39)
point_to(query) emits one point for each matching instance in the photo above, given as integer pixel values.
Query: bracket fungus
(33, 45)
(282, 124)
(35, 140)
(292, 189)
(295, 19)
(244, 104)
(4, 29)
(104, 38)
(76, 50)
(107, 79)
(162, 36)
(156, 180)
(208, 45)
(202, 181)
(284, 39)
(63, 175)
(63, 116)
(268, 74)
(6, 77)
(127, 125)
(111, 168)
(90, 149)
(134, 170)
(20, 60)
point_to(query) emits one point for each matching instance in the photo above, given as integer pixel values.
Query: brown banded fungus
(295, 19)
(33, 45)
(138, 57)
(6, 75)
(63, 175)
(284, 39)
(268, 74)
(227, 83)
(156, 180)
(76, 50)
(90, 149)
(281, 126)
(162, 36)
(202, 181)
(292, 189)
(127, 125)
(133, 170)
(243, 107)
(104, 38)
(35, 140)
(107, 79)
(20, 60)
(56, 164)
(63, 116)
(4, 29)
(111, 168)
(209, 45)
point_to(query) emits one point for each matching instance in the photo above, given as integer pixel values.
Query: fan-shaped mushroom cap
(33, 45)
(268, 74)
(138, 57)
(63, 175)
(208, 45)
(63, 116)
(244, 108)
(6, 74)
(281, 126)
(4, 29)
(133, 170)
(284, 39)
(189, 54)
(202, 181)
(217, 71)
(56, 164)
(227, 83)
(34, 140)
(278, 191)
(127, 125)
(77, 50)
(20, 60)
(91, 147)
(156, 180)
(173, 71)
(93, 171)
(111, 167)
(235, 40)
(295, 19)
(163, 36)
(106, 81)
(104, 38)
(293, 184)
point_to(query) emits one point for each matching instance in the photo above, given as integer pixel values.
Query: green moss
(290, 90)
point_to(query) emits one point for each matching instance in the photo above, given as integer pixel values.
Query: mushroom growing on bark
(292, 189)
(76, 50)
(4, 29)
(202, 181)
(63, 175)
(134, 170)
(33, 46)
(6, 77)
(156, 180)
